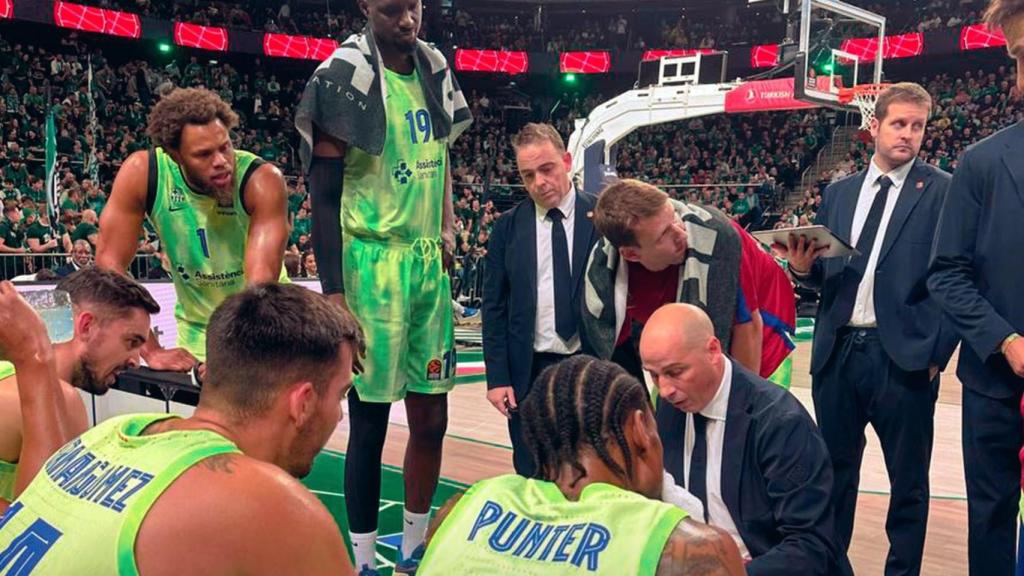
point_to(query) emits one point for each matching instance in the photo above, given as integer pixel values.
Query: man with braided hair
(594, 509)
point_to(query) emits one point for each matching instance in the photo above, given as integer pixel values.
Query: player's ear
(629, 253)
(86, 324)
(302, 402)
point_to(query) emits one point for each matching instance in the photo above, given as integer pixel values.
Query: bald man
(765, 478)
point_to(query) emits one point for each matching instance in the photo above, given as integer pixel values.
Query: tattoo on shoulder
(694, 550)
(220, 463)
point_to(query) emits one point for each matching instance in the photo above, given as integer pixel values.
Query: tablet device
(824, 236)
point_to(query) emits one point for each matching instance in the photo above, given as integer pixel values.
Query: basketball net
(864, 97)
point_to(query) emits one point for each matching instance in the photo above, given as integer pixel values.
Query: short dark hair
(577, 404)
(184, 106)
(999, 11)
(908, 92)
(535, 133)
(116, 293)
(270, 335)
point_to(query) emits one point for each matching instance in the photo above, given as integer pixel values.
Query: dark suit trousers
(991, 436)
(859, 385)
(522, 460)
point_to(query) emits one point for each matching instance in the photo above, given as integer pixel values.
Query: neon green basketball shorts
(401, 295)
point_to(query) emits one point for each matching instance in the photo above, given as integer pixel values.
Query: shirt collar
(566, 206)
(719, 405)
(898, 175)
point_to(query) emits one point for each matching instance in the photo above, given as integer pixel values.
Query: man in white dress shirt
(535, 262)
(880, 339)
(744, 446)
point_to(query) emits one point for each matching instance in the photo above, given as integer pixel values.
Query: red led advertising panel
(764, 56)
(902, 46)
(585, 62)
(491, 61)
(90, 19)
(197, 36)
(979, 36)
(304, 47)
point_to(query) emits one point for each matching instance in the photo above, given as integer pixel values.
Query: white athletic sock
(364, 548)
(414, 530)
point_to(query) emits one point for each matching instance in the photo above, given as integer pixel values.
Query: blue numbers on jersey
(418, 122)
(449, 364)
(201, 232)
(27, 548)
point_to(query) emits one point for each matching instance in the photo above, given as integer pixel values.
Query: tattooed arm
(696, 549)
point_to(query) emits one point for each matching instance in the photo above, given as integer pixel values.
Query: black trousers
(992, 437)
(861, 385)
(522, 460)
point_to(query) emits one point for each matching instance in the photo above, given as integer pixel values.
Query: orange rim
(846, 95)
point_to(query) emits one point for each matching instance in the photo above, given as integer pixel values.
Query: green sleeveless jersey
(82, 513)
(514, 525)
(8, 470)
(398, 195)
(204, 242)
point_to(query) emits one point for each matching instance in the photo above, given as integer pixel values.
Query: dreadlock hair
(580, 404)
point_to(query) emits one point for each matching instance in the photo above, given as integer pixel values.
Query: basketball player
(384, 169)
(156, 494)
(221, 215)
(594, 508)
(111, 322)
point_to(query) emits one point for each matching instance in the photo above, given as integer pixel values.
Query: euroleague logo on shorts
(434, 369)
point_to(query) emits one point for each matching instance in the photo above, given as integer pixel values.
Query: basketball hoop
(863, 96)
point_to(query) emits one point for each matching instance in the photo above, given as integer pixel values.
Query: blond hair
(621, 204)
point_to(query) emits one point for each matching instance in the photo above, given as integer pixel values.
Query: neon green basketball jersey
(8, 470)
(398, 195)
(81, 515)
(515, 525)
(204, 242)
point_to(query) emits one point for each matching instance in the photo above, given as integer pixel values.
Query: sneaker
(411, 564)
(367, 571)
(470, 313)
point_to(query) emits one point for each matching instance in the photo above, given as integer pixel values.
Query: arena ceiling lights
(91, 19)
(503, 61)
(204, 37)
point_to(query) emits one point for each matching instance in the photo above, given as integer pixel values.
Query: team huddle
(620, 334)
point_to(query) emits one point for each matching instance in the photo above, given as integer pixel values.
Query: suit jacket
(776, 478)
(914, 331)
(510, 290)
(976, 273)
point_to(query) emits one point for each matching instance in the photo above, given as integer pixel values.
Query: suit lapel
(526, 247)
(913, 189)
(737, 422)
(847, 205)
(583, 229)
(1012, 160)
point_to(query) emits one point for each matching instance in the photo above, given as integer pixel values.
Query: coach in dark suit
(533, 278)
(977, 276)
(744, 446)
(879, 338)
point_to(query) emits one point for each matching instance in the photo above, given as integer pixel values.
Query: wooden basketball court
(477, 447)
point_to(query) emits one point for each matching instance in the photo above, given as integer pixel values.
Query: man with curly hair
(221, 215)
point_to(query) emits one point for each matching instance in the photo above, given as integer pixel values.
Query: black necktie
(854, 271)
(698, 482)
(565, 325)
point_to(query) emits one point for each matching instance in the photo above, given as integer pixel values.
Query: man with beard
(215, 493)
(221, 215)
(111, 323)
(375, 143)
